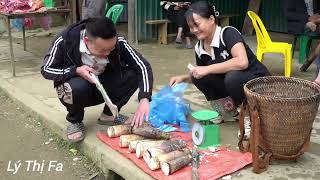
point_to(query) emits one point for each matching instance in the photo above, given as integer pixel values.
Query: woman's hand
(312, 26)
(199, 72)
(314, 18)
(317, 80)
(178, 79)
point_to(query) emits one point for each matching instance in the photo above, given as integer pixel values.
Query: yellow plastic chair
(266, 45)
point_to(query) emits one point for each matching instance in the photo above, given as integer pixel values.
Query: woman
(224, 62)
(93, 8)
(175, 12)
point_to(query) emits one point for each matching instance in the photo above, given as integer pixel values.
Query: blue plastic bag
(168, 106)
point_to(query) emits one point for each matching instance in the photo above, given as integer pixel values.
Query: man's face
(100, 47)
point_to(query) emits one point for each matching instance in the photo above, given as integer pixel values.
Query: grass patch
(34, 121)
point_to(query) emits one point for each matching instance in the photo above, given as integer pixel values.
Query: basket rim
(316, 96)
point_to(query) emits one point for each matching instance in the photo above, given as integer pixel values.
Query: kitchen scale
(204, 133)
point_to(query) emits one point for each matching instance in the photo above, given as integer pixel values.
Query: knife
(113, 108)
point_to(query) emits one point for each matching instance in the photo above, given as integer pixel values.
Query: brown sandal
(75, 128)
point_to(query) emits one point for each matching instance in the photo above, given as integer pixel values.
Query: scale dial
(197, 133)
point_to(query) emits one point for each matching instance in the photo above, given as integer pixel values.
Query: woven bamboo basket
(287, 108)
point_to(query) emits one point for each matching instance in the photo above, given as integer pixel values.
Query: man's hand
(199, 71)
(141, 113)
(84, 71)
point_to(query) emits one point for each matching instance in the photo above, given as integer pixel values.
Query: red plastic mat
(212, 165)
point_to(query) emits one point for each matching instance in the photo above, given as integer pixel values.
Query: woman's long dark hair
(202, 8)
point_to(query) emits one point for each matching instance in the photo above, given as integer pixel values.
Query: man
(92, 46)
(302, 15)
(303, 18)
(175, 11)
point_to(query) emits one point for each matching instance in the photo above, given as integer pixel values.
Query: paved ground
(167, 60)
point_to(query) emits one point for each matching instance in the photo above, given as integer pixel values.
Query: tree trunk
(126, 139)
(151, 133)
(116, 131)
(247, 27)
(176, 164)
(154, 162)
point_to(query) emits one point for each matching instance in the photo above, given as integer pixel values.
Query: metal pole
(24, 38)
(11, 49)
(131, 21)
(136, 21)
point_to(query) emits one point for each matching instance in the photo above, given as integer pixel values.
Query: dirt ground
(24, 140)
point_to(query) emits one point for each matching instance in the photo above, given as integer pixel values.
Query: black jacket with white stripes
(64, 57)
